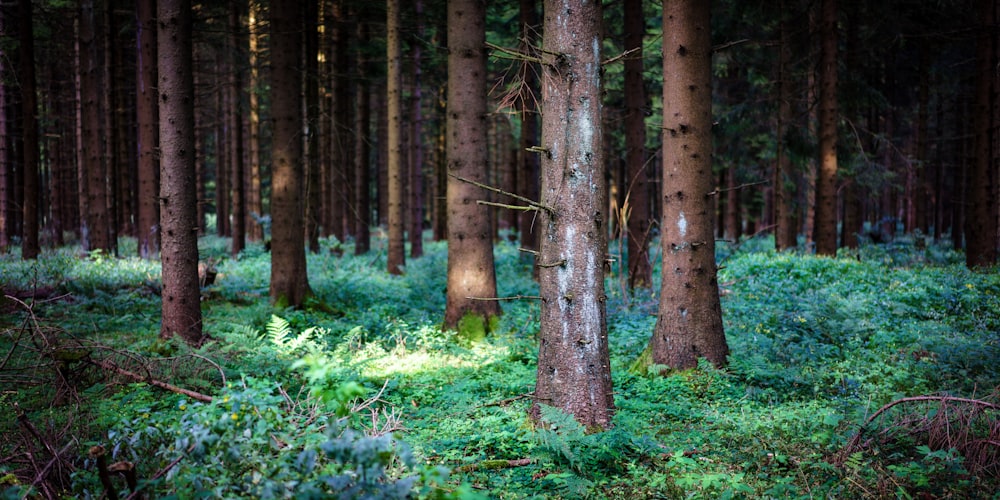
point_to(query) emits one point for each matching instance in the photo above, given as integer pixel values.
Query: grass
(306, 398)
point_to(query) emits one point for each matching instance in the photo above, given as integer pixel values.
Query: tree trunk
(528, 161)
(236, 156)
(471, 274)
(981, 186)
(178, 216)
(416, 182)
(98, 220)
(690, 316)
(6, 155)
(394, 92)
(289, 279)
(640, 269)
(785, 230)
(574, 371)
(344, 139)
(362, 148)
(255, 204)
(29, 130)
(310, 160)
(147, 116)
(826, 183)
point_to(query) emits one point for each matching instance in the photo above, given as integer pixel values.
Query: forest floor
(875, 374)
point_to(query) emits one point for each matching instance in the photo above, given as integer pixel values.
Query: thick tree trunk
(95, 186)
(289, 279)
(395, 172)
(236, 156)
(826, 183)
(362, 148)
(471, 274)
(690, 316)
(147, 116)
(981, 187)
(528, 160)
(178, 216)
(574, 372)
(29, 133)
(640, 269)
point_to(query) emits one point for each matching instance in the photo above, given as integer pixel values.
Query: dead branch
(111, 367)
(505, 193)
(514, 297)
(496, 464)
(621, 56)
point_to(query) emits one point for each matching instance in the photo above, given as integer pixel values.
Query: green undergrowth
(367, 396)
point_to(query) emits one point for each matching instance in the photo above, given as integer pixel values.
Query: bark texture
(96, 232)
(289, 280)
(981, 186)
(395, 167)
(29, 133)
(574, 372)
(471, 273)
(362, 146)
(147, 118)
(640, 269)
(690, 316)
(178, 215)
(825, 228)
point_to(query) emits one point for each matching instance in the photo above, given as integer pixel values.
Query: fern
(278, 330)
(562, 436)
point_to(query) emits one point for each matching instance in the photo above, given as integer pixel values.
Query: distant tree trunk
(236, 156)
(640, 269)
(394, 92)
(922, 196)
(178, 216)
(528, 175)
(344, 218)
(255, 204)
(785, 230)
(826, 184)
(220, 87)
(440, 203)
(574, 371)
(147, 116)
(312, 165)
(690, 316)
(29, 130)
(92, 161)
(416, 182)
(362, 148)
(111, 133)
(852, 223)
(6, 155)
(981, 187)
(471, 274)
(289, 279)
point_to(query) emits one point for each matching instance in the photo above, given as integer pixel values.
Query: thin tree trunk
(640, 269)
(416, 182)
(981, 194)
(29, 130)
(528, 161)
(471, 274)
(6, 156)
(826, 183)
(362, 148)
(255, 204)
(312, 165)
(785, 230)
(289, 279)
(574, 372)
(178, 216)
(236, 156)
(690, 316)
(396, 254)
(147, 116)
(112, 127)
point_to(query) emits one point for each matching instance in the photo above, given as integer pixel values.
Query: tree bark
(785, 230)
(255, 232)
(825, 228)
(574, 372)
(416, 181)
(528, 161)
(394, 93)
(471, 273)
(640, 269)
(178, 215)
(29, 130)
(237, 165)
(6, 155)
(362, 148)
(96, 230)
(147, 117)
(311, 158)
(981, 185)
(689, 326)
(289, 279)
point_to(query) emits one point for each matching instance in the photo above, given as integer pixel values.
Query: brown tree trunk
(289, 279)
(236, 153)
(110, 104)
(255, 205)
(220, 119)
(29, 130)
(825, 230)
(690, 316)
(528, 160)
(981, 187)
(785, 230)
(98, 221)
(574, 371)
(640, 269)
(6, 155)
(395, 172)
(852, 223)
(178, 217)
(416, 181)
(362, 148)
(311, 137)
(471, 274)
(344, 218)
(147, 116)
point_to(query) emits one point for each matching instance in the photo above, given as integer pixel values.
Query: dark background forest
(308, 248)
